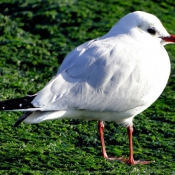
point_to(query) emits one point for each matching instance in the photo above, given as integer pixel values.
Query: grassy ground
(35, 36)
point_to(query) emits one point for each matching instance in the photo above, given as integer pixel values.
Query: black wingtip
(22, 118)
(17, 103)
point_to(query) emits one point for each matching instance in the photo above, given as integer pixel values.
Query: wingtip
(17, 103)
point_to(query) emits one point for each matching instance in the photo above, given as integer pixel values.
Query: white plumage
(118, 75)
(112, 78)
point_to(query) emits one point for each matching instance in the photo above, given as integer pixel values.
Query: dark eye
(151, 31)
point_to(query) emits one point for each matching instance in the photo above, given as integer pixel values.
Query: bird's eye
(151, 31)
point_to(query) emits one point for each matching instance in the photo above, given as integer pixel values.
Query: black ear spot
(151, 31)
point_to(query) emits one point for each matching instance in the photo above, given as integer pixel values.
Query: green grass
(35, 36)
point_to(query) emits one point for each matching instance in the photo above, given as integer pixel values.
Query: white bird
(112, 78)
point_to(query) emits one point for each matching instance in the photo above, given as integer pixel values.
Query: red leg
(131, 157)
(101, 132)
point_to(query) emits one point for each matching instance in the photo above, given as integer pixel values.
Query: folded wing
(90, 78)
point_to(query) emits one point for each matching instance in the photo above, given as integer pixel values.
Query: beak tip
(170, 39)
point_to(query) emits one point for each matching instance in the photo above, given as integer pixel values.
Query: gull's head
(141, 24)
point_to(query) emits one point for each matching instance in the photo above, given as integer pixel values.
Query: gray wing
(92, 77)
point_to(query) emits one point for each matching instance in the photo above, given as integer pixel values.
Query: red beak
(170, 38)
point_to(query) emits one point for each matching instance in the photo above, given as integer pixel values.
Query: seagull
(112, 78)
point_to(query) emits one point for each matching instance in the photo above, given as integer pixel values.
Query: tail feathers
(17, 103)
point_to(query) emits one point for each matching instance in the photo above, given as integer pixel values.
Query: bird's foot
(128, 161)
(112, 158)
(122, 159)
(139, 162)
(135, 162)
